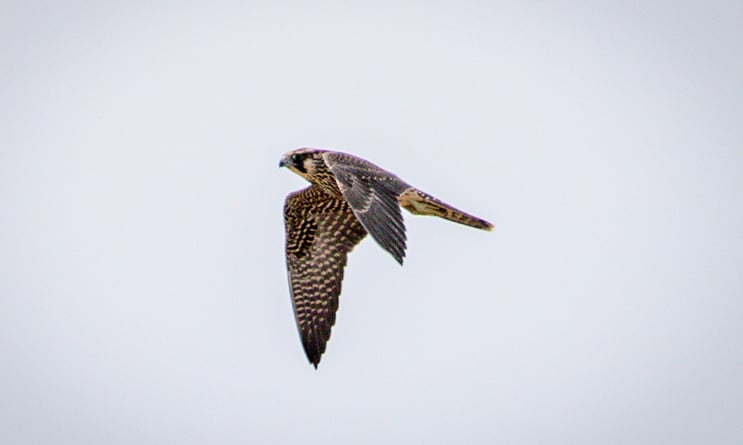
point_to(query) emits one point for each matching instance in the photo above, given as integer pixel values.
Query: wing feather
(372, 193)
(320, 232)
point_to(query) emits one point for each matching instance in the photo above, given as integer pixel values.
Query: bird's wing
(372, 193)
(320, 232)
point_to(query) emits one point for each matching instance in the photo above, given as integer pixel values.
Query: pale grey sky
(144, 296)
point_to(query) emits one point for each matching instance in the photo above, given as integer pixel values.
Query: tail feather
(419, 203)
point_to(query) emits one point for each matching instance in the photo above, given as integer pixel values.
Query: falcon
(348, 198)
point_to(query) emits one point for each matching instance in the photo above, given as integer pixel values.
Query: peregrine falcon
(348, 198)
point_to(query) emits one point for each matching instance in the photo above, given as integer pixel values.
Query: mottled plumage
(348, 198)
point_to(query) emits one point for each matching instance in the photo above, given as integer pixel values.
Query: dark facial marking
(298, 161)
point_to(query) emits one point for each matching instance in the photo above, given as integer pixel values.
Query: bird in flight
(348, 198)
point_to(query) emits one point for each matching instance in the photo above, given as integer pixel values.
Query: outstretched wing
(320, 232)
(372, 194)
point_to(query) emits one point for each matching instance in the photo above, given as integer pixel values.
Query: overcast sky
(144, 297)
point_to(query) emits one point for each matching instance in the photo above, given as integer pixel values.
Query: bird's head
(303, 161)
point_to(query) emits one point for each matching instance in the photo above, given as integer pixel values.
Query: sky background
(144, 299)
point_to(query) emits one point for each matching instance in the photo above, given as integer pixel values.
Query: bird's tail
(419, 203)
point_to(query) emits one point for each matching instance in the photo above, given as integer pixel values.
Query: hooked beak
(283, 162)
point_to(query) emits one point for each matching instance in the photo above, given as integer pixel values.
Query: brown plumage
(349, 197)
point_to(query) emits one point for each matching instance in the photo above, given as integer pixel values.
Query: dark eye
(296, 158)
